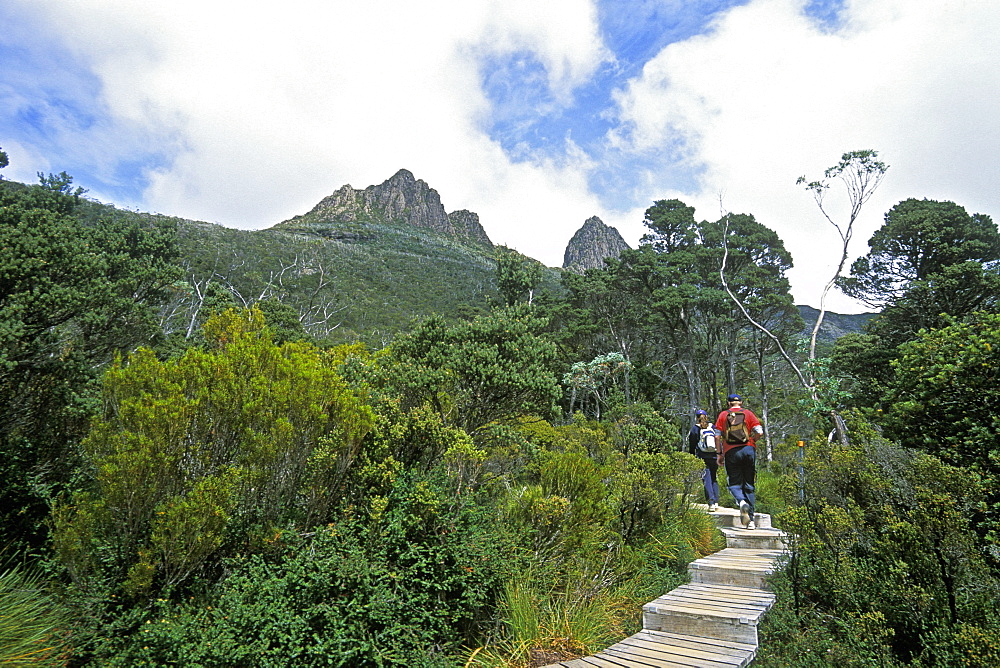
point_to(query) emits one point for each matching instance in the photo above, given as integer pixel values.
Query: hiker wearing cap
(704, 441)
(739, 428)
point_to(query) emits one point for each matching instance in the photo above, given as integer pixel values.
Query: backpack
(736, 428)
(707, 442)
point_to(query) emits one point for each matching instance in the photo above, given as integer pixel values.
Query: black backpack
(736, 428)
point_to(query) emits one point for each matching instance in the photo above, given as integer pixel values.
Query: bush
(407, 587)
(208, 448)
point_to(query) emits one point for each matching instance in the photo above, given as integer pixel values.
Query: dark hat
(735, 397)
(700, 412)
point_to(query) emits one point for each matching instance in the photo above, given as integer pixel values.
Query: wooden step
(667, 650)
(738, 567)
(756, 539)
(719, 612)
(730, 517)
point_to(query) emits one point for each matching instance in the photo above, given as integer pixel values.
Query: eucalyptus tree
(920, 238)
(930, 260)
(663, 306)
(861, 173)
(518, 276)
(756, 274)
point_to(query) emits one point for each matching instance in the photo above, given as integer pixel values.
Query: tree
(941, 401)
(861, 173)
(493, 368)
(920, 238)
(885, 567)
(672, 226)
(71, 297)
(663, 307)
(518, 276)
(929, 262)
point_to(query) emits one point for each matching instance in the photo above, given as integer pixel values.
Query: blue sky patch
(532, 125)
(827, 14)
(51, 100)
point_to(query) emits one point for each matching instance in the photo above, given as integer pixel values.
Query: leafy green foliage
(601, 378)
(493, 368)
(663, 308)
(71, 297)
(192, 452)
(920, 238)
(517, 276)
(941, 397)
(405, 588)
(885, 564)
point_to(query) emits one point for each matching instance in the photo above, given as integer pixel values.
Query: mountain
(401, 199)
(591, 245)
(835, 325)
(363, 264)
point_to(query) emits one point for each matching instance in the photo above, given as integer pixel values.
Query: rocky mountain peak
(591, 245)
(402, 198)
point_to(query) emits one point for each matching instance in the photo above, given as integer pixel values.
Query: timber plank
(728, 644)
(685, 650)
(712, 602)
(605, 662)
(703, 613)
(695, 597)
(723, 596)
(656, 659)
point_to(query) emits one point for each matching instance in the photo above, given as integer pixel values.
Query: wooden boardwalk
(712, 621)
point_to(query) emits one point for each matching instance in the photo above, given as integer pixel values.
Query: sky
(535, 115)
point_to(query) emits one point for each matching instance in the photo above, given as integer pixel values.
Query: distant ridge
(835, 325)
(592, 245)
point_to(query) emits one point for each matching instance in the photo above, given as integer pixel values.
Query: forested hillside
(357, 440)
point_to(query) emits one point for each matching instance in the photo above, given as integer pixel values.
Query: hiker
(704, 441)
(739, 428)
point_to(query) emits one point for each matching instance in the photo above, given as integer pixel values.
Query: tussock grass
(31, 623)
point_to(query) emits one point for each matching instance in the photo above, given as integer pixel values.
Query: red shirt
(751, 422)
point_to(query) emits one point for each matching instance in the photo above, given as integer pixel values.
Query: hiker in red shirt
(739, 428)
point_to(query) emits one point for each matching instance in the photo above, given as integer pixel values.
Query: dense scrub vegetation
(195, 473)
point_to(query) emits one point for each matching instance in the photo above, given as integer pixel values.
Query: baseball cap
(735, 397)
(700, 412)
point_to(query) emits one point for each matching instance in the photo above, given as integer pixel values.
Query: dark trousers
(710, 477)
(741, 468)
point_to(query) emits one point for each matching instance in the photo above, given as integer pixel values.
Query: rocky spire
(591, 244)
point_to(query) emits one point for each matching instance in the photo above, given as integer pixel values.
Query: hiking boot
(712, 507)
(744, 512)
(751, 526)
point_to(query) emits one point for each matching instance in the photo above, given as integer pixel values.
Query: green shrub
(191, 453)
(407, 588)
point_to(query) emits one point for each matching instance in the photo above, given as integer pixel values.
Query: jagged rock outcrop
(591, 244)
(465, 223)
(400, 199)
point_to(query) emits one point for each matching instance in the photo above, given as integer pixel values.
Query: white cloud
(768, 96)
(268, 108)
